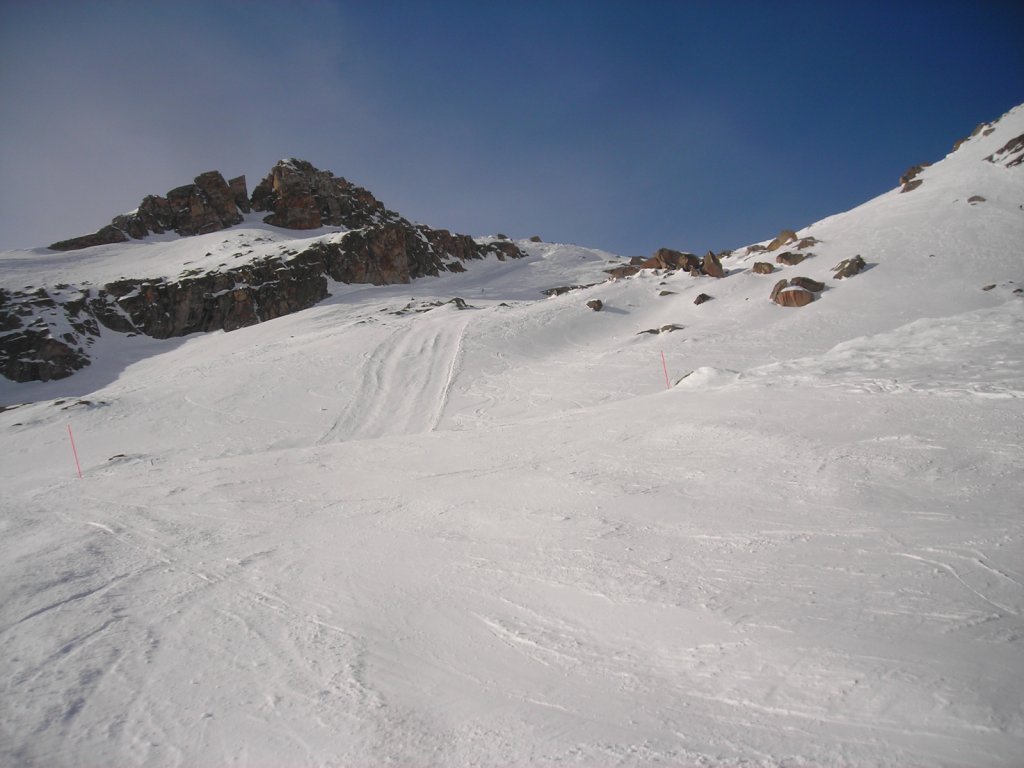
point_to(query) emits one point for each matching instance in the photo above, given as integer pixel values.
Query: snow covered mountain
(458, 521)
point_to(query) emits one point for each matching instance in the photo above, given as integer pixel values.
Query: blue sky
(624, 126)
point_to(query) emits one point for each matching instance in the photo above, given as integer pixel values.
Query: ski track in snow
(403, 386)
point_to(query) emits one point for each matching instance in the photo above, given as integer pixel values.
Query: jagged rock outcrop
(206, 205)
(29, 351)
(381, 248)
(299, 196)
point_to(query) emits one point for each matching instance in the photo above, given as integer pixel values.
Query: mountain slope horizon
(469, 520)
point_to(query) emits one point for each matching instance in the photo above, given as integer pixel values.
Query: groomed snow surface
(382, 532)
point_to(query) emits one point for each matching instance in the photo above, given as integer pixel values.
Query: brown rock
(785, 237)
(299, 196)
(762, 268)
(849, 267)
(910, 174)
(104, 236)
(536, 239)
(910, 186)
(207, 205)
(702, 298)
(1010, 154)
(807, 242)
(712, 266)
(666, 258)
(807, 284)
(975, 199)
(790, 258)
(596, 304)
(624, 271)
(241, 193)
(758, 248)
(793, 297)
(779, 286)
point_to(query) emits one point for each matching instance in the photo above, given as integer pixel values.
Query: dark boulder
(807, 284)
(849, 267)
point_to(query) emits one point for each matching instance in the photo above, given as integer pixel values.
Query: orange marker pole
(665, 366)
(75, 451)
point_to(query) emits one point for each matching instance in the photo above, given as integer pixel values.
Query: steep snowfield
(382, 531)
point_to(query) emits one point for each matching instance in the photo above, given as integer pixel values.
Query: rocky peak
(299, 196)
(206, 205)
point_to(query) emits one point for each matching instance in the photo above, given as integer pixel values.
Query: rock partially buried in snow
(849, 267)
(785, 237)
(664, 329)
(791, 259)
(762, 268)
(596, 304)
(667, 258)
(793, 296)
(702, 298)
(908, 180)
(807, 284)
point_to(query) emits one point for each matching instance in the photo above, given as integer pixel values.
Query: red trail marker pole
(665, 366)
(75, 451)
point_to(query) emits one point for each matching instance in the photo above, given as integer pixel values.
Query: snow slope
(388, 531)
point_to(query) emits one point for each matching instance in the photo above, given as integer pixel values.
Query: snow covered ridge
(227, 280)
(238, 260)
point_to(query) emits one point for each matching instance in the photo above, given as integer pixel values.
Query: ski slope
(389, 531)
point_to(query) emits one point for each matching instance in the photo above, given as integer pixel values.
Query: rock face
(299, 196)
(206, 205)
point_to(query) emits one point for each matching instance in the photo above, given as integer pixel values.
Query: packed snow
(388, 531)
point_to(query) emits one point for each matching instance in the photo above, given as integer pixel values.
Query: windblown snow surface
(369, 535)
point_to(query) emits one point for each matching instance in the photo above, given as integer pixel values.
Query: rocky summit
(46, 333)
